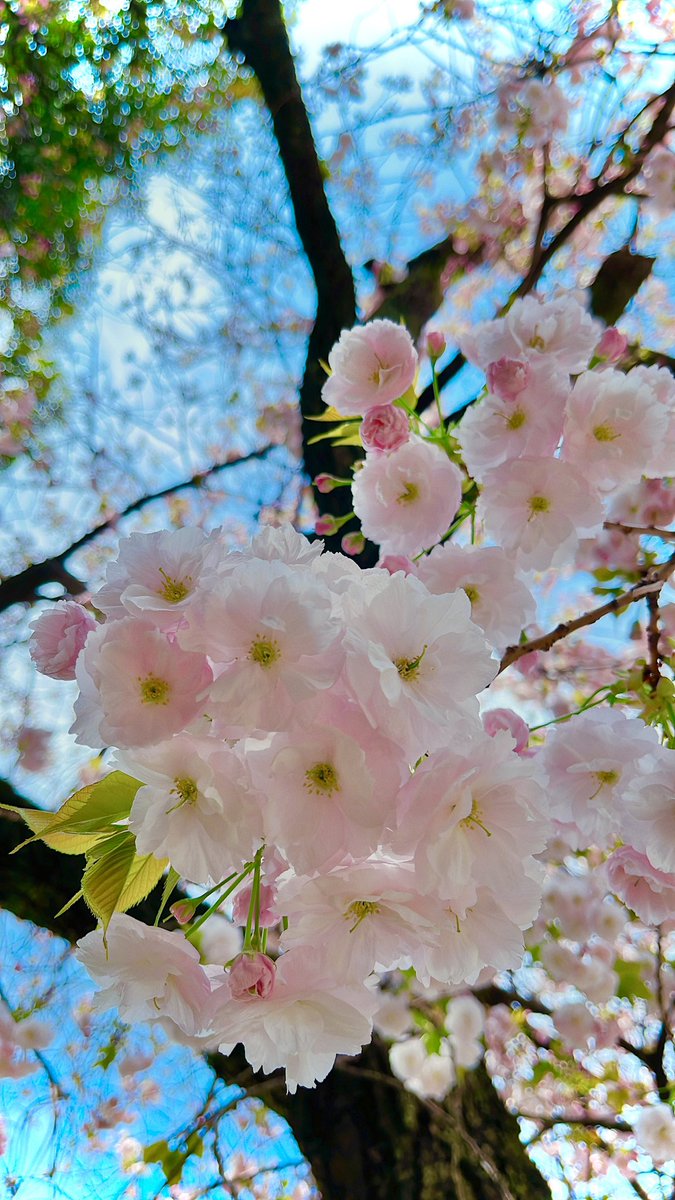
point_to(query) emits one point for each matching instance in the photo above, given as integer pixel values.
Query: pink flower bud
(612, 345)
(508, 377)
(436, 344)
(58, 637)
(496, 719)
(324, 483)
(353, 544)
(252, 975)
(183, 911)
(385, 427)
(326, 526)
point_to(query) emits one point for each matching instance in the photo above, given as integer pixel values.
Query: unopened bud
(436, 344)
(183, 911)
(325, 483)
(353, 544)
(612, 345)
(252, 975)
(326, 526)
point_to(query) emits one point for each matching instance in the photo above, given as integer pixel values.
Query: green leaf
(91, 811)
(116, 877)
(331, 414)
(38, 821)
(170, 883)
(344, 429)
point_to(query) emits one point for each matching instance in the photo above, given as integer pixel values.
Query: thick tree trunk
(367, 1138)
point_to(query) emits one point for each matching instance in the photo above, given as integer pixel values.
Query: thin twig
(652, 584)
(22, 587)
(666, 535)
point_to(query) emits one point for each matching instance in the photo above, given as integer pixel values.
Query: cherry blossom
(301, 1024)
(538, 509)
(501, 603)
(58, 636)
(136, 686)
(385, 428)
(371, 364)
(614, 428)
(145, 971)
(406, 500)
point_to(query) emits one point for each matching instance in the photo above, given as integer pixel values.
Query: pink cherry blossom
(371, 914)
(251, 975)
(406, 500)
(58, 636)
(559, 331)
(501, 604)
(371, 364)
(273, 629)
(146, 971)
(508, 377)
(593, 763)
(648, 892)
(306, 1020)
(414, 661)
(469, 817)
(156, 575)
(385, 427)
(136, 686)
(197, 807)
(614, 428)
(324, 780)
(496, 429)
(538, 509)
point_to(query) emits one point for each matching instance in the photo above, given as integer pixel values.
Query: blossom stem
(252, 934)
(217, 903)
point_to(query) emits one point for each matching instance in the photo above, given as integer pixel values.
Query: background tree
(540, 202)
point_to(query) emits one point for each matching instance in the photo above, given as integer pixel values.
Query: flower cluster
(270, 705)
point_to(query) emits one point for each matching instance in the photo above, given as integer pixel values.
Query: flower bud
(612, 345)
(385, 427)
(325, 483)
(436, 344)
(252, 975)
(183, 911)
(353, 544)
(508, 377)
(326, 526)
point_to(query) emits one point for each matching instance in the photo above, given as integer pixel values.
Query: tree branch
(587, 203)
(652, 584)
(22, 588)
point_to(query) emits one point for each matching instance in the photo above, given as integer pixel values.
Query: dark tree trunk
(366, 1138)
